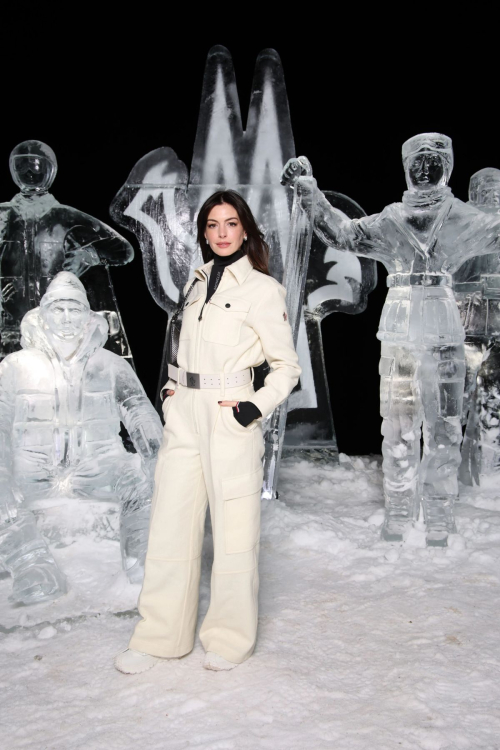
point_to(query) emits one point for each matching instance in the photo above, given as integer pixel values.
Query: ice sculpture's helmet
(428, 143)
(33, 166)
(484, 188)
(65, 285)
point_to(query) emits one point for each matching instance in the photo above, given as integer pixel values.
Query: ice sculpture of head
(484, 188)
(64, 307)
(33, 166)
(427, 160)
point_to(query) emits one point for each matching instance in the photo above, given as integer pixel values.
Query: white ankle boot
(135, 662)
(217, 663)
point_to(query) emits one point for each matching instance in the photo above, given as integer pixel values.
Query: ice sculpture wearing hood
(62, 399)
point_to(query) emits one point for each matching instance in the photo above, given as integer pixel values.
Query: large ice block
(160, 202)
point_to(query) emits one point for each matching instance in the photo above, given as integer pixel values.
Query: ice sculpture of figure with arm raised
(62, 399)
(421, 241)
(40, 237)
(477, 291)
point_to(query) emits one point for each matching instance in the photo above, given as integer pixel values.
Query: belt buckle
(192, 379)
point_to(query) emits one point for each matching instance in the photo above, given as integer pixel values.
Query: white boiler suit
(207, 454)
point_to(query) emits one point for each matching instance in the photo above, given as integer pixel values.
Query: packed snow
(363, 645)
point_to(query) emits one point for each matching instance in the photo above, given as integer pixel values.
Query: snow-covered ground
(362, 644)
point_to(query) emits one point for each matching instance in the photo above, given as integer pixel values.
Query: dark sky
(103, 96)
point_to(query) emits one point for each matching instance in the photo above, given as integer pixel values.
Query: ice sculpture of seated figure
(62, 399)
(421, 241)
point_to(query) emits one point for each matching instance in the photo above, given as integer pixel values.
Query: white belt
(196, 380)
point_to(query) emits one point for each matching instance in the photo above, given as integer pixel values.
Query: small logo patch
(285, 316)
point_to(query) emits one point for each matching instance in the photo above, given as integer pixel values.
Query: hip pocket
(241, 497)
(232, 423)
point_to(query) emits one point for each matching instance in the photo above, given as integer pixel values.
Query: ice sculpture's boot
(439, 520)
(398, 514)
(217, 663)
(134, 540)
(135, 662)
(27, 558)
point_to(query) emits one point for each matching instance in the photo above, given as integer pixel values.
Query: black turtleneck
(220, 263)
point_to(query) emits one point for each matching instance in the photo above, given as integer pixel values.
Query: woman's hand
(170, 392)
(243, 411)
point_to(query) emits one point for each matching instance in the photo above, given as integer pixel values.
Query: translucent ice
(62, 399)
(477, 290)
(160, 202)
(40, 237)
(421, 241)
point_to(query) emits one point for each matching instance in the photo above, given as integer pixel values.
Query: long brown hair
(255, 246)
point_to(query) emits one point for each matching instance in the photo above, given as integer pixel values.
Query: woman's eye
(232, 224)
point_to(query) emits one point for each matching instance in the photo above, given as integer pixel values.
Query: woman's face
(224, 230)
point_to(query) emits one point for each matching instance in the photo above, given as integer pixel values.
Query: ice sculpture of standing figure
(421, 241)
(62, 399)
(40, 237)
(477, 290)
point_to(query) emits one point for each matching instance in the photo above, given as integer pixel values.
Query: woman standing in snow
(234, 318)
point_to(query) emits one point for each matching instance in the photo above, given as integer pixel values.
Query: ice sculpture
(421, 241)
(160, 201)
(336, 282)
(477, 290)
(62, 399)
(40, 237)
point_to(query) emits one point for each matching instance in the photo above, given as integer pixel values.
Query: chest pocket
(225, 316)
(189, 316)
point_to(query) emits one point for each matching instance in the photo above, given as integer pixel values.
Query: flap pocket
(242, 511)
(230, 304)
(242, 485)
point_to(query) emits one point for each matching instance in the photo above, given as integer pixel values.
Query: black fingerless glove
(246, 412)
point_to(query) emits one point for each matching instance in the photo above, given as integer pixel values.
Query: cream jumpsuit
(207, 455)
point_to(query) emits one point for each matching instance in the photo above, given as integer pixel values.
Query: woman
(234, 318)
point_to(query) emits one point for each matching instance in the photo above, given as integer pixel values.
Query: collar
(240, 269)
(426, 200)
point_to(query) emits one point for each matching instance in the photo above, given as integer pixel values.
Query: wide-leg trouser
(421, 391)
(205, 455)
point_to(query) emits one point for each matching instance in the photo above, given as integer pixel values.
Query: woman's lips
(223, 244)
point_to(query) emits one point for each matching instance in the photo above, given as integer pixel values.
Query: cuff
(265, 400)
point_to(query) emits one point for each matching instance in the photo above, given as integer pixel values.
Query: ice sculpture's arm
(8, 502)
(270, 321)
(361, 236)
(92, 244)
(137, 413)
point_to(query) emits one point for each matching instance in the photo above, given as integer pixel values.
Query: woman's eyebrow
(231, 218)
